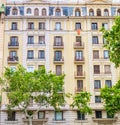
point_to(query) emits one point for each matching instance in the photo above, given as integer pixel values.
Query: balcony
(96, 106)
(78, 90)
(11, 122)
(13, 59)
(41, 44)
(14, 45)
(78, 45)
(35, 59)
(37, 121)
(58, 60)
(105, 120)
(58, 46)
(79, 74)
(79, 60)
(102, 74)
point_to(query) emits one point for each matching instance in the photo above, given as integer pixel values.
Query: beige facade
(47, 33)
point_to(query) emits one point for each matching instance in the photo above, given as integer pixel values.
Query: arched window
(36, 12)
(57, 12)
(14, 11)
(28, 11)
(118, 12)
(43, 12)
(106, 13)
(98, 12)
(91, 12)
(77, 12)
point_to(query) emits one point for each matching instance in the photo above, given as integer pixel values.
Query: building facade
(65, 37)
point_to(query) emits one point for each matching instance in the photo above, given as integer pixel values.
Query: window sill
(80, 121)
(59, 121)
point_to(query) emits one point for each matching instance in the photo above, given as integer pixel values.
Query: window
(58, 41)
(79, 70)
(105, 25)
(91, 12)
(11, 115)
(57, 12)
(30, 69)
(96, 69)
(107, 69)
(41, 115)
(30, 54)
(44, 12)
(80, 116)
(30, 39)
(97, 99)
(98, 12)
(30, 25)
(78, 26)
(13, 54)
(41, 54)
(14, 41)
(14, 11)
(58, 116)
(78, 56)
(106, 54)
(12, 68)
(58, 70)
(41, 39)
(95, 54)
(28, 11)
(104, 41)
(108, 83)
(58, 55)
(14, 26)
(106, 13)
(79, 85)
(77, 12)
(94, 26)
(57, 26)
(95, 40)
(118, 12)
(36, 12)
(41, 26)
(97, 84)
(98, 114)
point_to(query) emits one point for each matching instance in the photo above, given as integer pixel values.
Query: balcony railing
(105, 120)
(78, 45)
(102, 73)
(13, 59)
(79, 74)
(58, 46)
(36, 44)
(58, 60)
(79, 60)
(78, 90)
(36, 120)
(35, 59)
(13, 45)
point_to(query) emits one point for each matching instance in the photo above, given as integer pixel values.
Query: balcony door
(58, 70)
(79, 70)
(79, 55)
(13, 54)
(58, 55)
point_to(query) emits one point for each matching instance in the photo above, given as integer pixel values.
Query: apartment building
(65, 37)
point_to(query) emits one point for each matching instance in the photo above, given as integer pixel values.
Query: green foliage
(80, 101)
(0, 99)
(112, 37)
(40, 86)
(111, 98)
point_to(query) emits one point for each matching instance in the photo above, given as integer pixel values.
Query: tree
(111, 96)
(80, 101)
(40, 86)
(112, 38)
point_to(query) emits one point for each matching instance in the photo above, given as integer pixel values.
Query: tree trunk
(30, 120)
